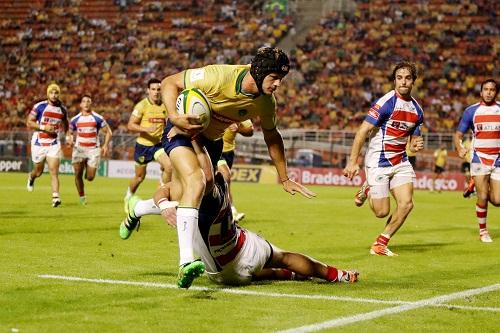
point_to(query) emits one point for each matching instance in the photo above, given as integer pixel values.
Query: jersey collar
(239, 81)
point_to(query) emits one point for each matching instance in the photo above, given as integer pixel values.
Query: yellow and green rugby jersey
(150, 114)
(229, 137)
(222, 86)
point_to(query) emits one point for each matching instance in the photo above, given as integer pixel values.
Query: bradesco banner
(66, 168)
(449, 181)
(13, 165)
(323, 176)
(126, 169)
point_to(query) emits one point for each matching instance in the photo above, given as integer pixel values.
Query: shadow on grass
(421, 247)
(14, 213)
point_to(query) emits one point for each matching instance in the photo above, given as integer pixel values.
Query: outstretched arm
(276, 150)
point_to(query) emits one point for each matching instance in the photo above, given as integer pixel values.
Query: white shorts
(39, 153)
(251, 259)
(479, 169)
(382, 180)
(92, 155)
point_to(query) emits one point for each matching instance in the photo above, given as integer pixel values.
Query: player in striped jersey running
(47, 119)
(390, 122)
(85, 127)
(483, 119)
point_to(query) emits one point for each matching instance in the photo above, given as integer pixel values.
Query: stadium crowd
(340, 67)
(343, 61)
(112, 57)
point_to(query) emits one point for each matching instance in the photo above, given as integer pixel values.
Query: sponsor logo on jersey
(373, 112)
(197, 74)
(222, 119)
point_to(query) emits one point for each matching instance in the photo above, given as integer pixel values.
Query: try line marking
(259, 294)
(392, 310)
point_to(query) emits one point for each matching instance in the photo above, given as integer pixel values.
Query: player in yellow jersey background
(440, 158)
(225, 163)
(148, 119)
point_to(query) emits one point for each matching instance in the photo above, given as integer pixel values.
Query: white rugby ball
(194, 102)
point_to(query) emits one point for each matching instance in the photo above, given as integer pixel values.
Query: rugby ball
(194, 102)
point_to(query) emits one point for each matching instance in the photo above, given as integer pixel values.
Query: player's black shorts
(228, 156)
(438, 169)
(145, 154)
(214, 148)
(465, 167)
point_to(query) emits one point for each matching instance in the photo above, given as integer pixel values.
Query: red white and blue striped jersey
(222, 237)
(484, 120)
(87, 129)
(396, 119)
(47, 114)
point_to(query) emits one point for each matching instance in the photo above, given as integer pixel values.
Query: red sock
(481, 214)
(332, 274)
(382, 239)
(286, 274)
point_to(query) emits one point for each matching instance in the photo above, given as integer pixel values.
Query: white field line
(261, 294)
(224, 290)
(392, 310)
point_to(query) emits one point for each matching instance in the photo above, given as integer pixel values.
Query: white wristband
(164, 204)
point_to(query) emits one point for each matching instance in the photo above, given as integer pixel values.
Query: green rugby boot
(188, 272)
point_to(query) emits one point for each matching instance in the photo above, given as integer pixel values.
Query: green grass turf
(439, 254)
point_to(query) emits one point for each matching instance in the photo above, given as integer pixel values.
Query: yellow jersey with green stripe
(151, 114)
(229, 137)
(222, 86)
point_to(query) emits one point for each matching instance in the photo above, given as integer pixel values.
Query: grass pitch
(440, 255)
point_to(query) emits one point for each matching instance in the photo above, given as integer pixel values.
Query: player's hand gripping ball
(194, 102)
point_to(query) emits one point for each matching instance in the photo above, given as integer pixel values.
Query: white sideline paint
(224, 290)
(393, 310)
(261, 294)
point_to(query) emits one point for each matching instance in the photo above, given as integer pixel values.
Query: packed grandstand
(111, 48)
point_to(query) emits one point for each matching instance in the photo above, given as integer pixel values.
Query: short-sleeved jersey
(396, 119)
(440, 157)
(229, 137)
(222, 237)
(86, 129)
(47, 114)
(484, 120)
(150, 114)
(222, 86)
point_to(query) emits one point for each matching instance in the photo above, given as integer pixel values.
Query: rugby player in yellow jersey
(225, 163)
(236, 93)
(148, 119)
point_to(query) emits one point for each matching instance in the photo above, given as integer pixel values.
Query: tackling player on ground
(225, 164)
(389, 123)
(232, 255)
(483, 119)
